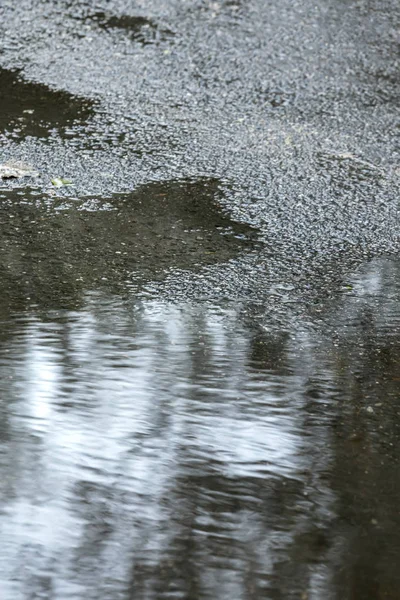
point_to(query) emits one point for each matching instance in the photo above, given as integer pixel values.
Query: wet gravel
(293, 106)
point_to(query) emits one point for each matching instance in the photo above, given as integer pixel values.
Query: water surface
(165, 449)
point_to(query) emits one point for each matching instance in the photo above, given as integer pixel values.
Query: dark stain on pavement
(139, 29)
(33, 109)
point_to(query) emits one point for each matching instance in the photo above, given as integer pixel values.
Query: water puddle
(53, 250)
(156, 450)
(33, 109)
(139, 29)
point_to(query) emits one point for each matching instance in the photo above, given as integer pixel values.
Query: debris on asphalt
(60, 182)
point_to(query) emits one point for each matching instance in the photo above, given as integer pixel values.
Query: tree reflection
(161, 451)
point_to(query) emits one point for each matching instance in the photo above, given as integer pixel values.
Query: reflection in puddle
(175, 450)
(161, 455)
(28, 108)
(158, 451)
(52, 251)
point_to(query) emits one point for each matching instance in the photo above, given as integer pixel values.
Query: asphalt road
(199, 337)
(292, 106)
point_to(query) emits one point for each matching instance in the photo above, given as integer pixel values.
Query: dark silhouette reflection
(155, 451)
(366, 476)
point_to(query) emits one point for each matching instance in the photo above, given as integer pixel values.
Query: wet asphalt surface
(200, 336)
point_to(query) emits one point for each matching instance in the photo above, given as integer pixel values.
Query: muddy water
(171, 449)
